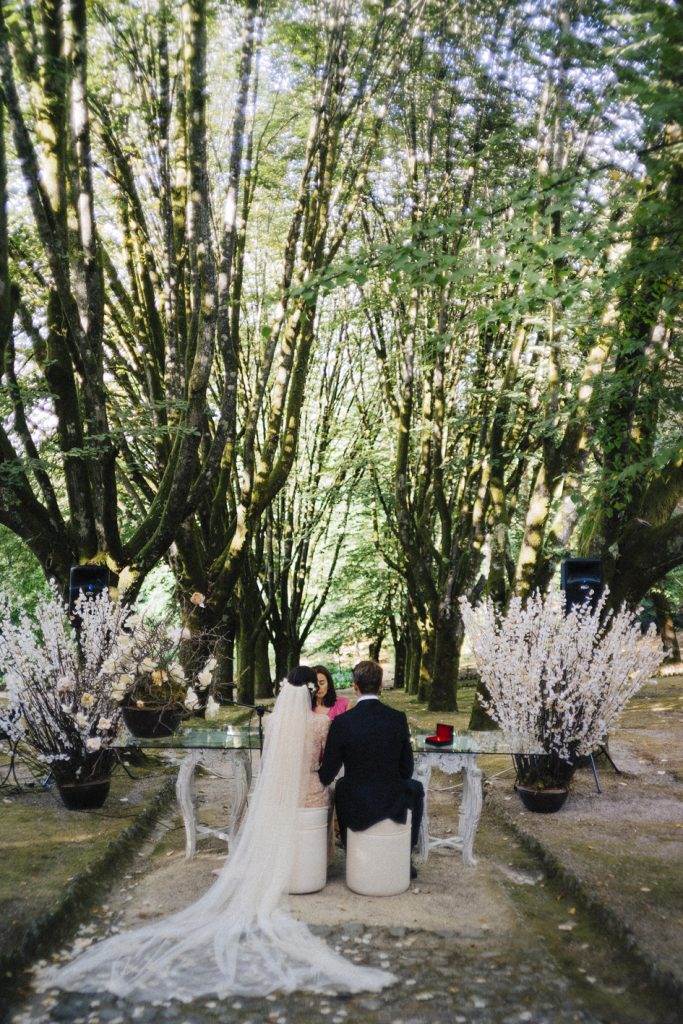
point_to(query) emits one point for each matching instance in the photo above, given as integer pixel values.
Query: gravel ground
(625, 845)
(498, 944)
(442, 979)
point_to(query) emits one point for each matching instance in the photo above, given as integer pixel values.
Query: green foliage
(20, 573)
(522, 180)
(363, 592)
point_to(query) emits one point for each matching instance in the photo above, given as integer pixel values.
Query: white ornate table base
(236, 770)
(470, 806)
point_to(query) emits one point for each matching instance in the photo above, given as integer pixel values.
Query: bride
(239, 938)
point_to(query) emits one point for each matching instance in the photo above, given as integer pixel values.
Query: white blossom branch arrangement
(558, 680)
(62, 711)
(66, 683)
(148, 665)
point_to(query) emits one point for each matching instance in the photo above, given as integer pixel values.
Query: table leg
(423, 774)
(241, 780)
(470, 811)
(185, 792)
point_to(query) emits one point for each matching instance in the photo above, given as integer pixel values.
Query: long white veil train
(237, 939)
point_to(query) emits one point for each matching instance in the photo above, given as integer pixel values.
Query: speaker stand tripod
(602, 749)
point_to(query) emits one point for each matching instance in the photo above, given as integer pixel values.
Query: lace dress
(316, 795)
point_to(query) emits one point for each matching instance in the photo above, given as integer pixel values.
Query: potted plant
(151, 684)
(62, 713)
(556, 682)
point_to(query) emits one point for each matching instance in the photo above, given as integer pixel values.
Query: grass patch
(421, 718)
(53, 862)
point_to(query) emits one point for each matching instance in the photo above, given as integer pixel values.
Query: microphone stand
(259, 709)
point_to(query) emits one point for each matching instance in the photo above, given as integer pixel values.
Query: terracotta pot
(84, 796)
(153, 723)
(542, 801)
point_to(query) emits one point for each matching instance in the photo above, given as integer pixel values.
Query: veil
(238, 938)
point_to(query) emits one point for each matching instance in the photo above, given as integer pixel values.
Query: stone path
(498, 944)
(624, 846)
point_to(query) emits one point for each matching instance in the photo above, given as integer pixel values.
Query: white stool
(309, 871)
(378, 859)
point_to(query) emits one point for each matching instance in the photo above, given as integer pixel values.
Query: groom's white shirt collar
(367, 696)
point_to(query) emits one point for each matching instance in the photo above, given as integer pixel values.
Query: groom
(372, 742)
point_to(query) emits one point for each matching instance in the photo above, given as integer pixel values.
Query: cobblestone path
(498, 944)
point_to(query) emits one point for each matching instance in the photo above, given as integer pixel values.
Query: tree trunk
(294, 654)
(665, 624)
(399, 639)
(409, 665)
(263, 681)
(375, 648)
(479, 717)
(245, 678)
(281, 648)
(247, 637)
(426, 671)
(400, 657)
(225, 669)
(447, 643)
(414, 656)
(411, 661)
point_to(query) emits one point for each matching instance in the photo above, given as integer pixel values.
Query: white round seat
(378, 859)
(309, 871)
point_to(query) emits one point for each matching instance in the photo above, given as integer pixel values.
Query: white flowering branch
(147, 664)
(66, 685)
(555, 680)
(61, 709)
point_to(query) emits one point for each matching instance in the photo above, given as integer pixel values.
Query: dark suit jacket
(372, 742)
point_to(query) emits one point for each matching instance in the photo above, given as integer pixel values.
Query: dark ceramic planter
(543, 771)
(152, 723)
(84, 796)
(542, 801)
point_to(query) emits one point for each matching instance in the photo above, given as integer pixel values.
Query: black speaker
(582, 580)
(88, 579)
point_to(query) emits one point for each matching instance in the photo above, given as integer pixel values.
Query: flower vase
(542, 801)
(152, 723)
(84, 795)
(543, 781)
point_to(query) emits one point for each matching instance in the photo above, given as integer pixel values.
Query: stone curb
(660, 975)
(52, 927)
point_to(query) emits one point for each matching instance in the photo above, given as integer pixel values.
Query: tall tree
(305, 526)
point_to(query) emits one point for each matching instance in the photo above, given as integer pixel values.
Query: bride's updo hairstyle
(303, 675)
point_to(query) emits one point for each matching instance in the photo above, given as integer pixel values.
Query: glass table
(460, 756)
(202, 743)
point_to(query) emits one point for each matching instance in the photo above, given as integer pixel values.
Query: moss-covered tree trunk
(426, 671)
(263, 683)
(442, 694)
